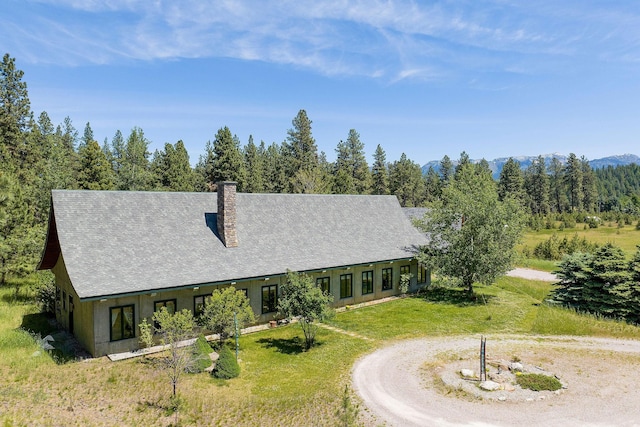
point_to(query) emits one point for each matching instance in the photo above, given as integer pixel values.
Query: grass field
(626, 238)
(280, 384)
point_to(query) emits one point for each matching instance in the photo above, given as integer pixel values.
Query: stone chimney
(227, 213)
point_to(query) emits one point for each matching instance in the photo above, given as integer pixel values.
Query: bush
(227, 366)
(555, 248)
(201, 351)
(538, 382)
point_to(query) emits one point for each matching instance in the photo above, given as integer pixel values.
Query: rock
(502, 398)
(516, 367)
(490, 385)
(509, 387)
(467, 373)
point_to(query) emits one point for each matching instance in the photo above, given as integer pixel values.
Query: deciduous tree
(473, 233)
(223, 309)
(302, 299)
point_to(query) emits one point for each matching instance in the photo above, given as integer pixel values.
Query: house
(119, 256)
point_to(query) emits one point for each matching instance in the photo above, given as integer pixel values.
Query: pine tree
(589, 189)
(19, 240)
(15, 114)
(433, 185)
(557, 187)
(254, 160)
(536, 183)
(573, 181)
(225, 160)
(95, 170)
(132, 163)
(446, 170)
(462, 162)
(171, 168)
(275, 178)
(406, 182)
(301, 144)
(511, 183)
(380, 172)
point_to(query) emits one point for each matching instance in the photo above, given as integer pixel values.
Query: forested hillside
(38, 156)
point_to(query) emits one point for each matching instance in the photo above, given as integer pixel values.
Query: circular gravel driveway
(602, 376)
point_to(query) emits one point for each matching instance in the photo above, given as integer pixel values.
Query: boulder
(516, 367)
(490, 386)
(468, 373)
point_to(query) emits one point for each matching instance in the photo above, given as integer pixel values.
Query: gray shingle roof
(125, 242)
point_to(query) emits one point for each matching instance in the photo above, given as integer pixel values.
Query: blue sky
(495, 78)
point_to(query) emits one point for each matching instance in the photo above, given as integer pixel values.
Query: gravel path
(401, 385)
(528, 273)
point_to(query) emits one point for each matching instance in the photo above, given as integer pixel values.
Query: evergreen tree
(536, 183)
(446, 170)
(511, 183)
(463, 161)
(95, 171)
(254, 160)
(406, 182)
(275, 178)
(171, 168)
(225, 160)
(19, 240)
(433, 185)
(301, 145)
(15, 114)
(589, 189)
(133, 167)
(380, 172)
(351, 172)
(87, 136)
(557, 187)
(573, 181)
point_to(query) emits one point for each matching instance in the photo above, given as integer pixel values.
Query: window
(122, 322)
(170, 304)
(405, 269)
(269, 298)
(198, 305)
(64, 300)
(245, 291)
(387, 279)
(324, 283)
(422, 274)
(367, 282)
(346, 288)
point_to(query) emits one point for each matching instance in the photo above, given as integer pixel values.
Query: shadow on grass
(455, 296)
(66, 347)
(17, 298)
(293, 345)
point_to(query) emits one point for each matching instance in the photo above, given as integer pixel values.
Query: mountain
(525, 161)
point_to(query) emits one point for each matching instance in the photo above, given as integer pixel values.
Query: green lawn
(280, 384)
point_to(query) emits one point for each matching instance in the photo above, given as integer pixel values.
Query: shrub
(555, 248)
(227, 366)
(201, 351)
(538, 382)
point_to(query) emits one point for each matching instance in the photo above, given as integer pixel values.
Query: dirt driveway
(401, 384)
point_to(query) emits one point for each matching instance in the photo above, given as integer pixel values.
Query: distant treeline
(37, 156)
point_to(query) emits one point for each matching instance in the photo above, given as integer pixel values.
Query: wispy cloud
(391, 39)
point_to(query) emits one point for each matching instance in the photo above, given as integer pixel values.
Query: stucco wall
(92, 319)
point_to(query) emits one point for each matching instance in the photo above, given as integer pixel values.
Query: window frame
(196, 312)
(368, 281)
(422, 274)
(343, 277)
(320, 282)
(122, 308)
(164, 301)
(272, 301)
(387, 281)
